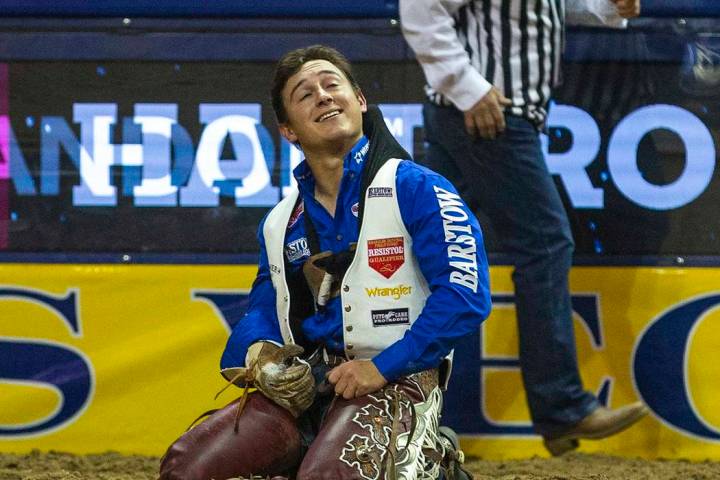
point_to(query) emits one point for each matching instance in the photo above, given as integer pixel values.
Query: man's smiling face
(324, 111)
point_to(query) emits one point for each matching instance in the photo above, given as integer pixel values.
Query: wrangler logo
(394, 292)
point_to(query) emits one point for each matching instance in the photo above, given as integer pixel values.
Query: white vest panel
(383, 290)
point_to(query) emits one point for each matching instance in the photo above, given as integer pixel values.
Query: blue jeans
(508, 180)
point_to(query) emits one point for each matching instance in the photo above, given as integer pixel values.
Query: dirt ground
(113, 466)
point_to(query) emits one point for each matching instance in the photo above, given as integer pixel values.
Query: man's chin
(341, 135)
(338, 138)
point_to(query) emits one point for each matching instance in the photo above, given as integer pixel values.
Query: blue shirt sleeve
(448, 244)
(260, 322)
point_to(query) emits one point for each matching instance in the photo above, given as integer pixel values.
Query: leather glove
(281, 376)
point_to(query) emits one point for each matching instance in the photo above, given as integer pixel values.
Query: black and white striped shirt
(467, 46)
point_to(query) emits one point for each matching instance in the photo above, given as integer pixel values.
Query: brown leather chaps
(357, 439)
(263, 441)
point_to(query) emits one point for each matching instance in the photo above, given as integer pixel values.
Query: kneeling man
(369, 274)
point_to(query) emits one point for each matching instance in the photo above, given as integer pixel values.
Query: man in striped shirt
(491, 66)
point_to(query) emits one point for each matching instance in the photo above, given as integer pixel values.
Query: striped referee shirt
(466, 47)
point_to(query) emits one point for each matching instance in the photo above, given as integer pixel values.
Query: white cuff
(468, 90)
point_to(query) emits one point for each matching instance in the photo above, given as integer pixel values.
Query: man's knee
(262, 440)
(329, 456)
(357, 434)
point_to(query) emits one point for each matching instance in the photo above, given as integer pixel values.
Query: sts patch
(393, 316)
(297, 249)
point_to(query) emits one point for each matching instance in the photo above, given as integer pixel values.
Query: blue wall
(276, 8)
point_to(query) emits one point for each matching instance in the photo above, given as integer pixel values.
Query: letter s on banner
(35, 361)
(660, 366)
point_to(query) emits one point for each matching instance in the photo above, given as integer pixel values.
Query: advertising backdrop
(130, 192)
(166, 157)
(124, 357)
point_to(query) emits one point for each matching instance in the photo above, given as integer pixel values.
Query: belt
(323, 356)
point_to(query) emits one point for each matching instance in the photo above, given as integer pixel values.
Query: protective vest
(383, 290)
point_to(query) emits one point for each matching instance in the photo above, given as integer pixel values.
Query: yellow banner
(123, 357)
(649, 334)
(148, 337)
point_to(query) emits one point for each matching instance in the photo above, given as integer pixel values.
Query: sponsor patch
(393, 316)
(396, 292)
(386, 255)
(360, 155)
(296, 215)
(355, 209)
(297, 249)
(374, 192)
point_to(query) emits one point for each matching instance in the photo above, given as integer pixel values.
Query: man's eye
(304, 96)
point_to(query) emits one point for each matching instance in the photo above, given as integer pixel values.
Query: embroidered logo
(396, 292)
(386, 255)
(366, 452)
(355, 209)
(297, 249)
(374, 192)
(296, 215)
(395, 316)
(360, 155)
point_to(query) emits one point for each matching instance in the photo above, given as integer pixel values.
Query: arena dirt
(113, 466)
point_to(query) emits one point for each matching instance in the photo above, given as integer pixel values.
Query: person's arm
(450, 252)
(260, 322)
(627, 8)
(428, 27)
(452, 258)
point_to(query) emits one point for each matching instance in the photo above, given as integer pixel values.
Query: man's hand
(281, 376)
(486, 117)
(627, 8)
(356, 378)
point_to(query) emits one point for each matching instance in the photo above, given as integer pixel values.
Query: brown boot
(601, 423)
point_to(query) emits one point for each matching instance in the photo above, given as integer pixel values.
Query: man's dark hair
(290, 64)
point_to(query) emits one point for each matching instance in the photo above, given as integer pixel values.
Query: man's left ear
(361, 99)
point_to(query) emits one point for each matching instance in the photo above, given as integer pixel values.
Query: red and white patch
(386, 255)
(355, 209)
(296, 215)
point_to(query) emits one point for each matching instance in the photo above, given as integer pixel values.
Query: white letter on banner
(291, 156)
(249, 168)
(571, 165)
(699, 161)
(401, 119)
(156, 121)
(96, 154)
(395, 125)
